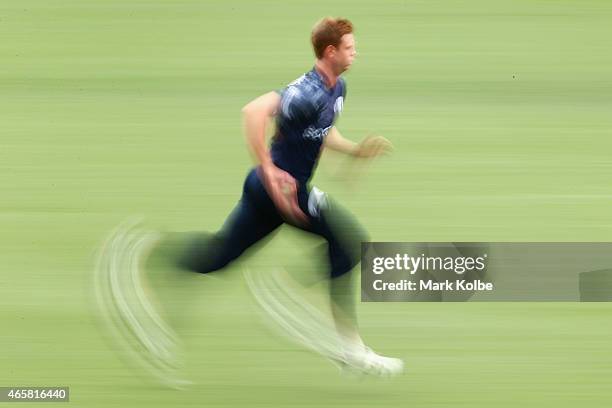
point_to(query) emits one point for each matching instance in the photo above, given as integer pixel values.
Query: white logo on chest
(315, 133)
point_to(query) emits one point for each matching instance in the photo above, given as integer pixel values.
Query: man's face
(345, 54)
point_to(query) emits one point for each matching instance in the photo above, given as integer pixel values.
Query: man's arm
(369, 147)
(279, 184)
(335, 141)
(256, 115)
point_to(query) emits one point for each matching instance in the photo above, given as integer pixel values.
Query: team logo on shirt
(338, 105)
(314, 133)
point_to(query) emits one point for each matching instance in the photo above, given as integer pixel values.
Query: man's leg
(344, 235)
(253, 218)
(245, 226)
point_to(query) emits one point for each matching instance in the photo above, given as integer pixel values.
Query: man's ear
(330, 50)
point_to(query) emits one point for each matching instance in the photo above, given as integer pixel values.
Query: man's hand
(372, 146)
(282, 188)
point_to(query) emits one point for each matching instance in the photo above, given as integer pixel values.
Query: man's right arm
(279, 184)
(256, 115)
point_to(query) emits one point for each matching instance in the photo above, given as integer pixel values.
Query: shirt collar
(324, 78)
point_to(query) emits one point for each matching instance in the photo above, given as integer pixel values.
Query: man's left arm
(371, 146)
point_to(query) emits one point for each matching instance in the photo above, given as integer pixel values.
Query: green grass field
(500, 117)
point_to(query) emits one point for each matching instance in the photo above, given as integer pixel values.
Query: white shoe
(364, 360)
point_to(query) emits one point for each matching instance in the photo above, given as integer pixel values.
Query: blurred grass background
(500, 116)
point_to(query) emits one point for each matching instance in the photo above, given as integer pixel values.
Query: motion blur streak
(132, 321)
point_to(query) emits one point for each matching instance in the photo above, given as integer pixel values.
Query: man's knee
(347, 234)
(341, 265)
(205, 253)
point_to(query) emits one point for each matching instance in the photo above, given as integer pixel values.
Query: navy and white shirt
(308, 110)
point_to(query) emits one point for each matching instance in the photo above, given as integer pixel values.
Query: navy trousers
(255, 216)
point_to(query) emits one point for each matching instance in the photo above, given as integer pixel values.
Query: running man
(277, 190)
